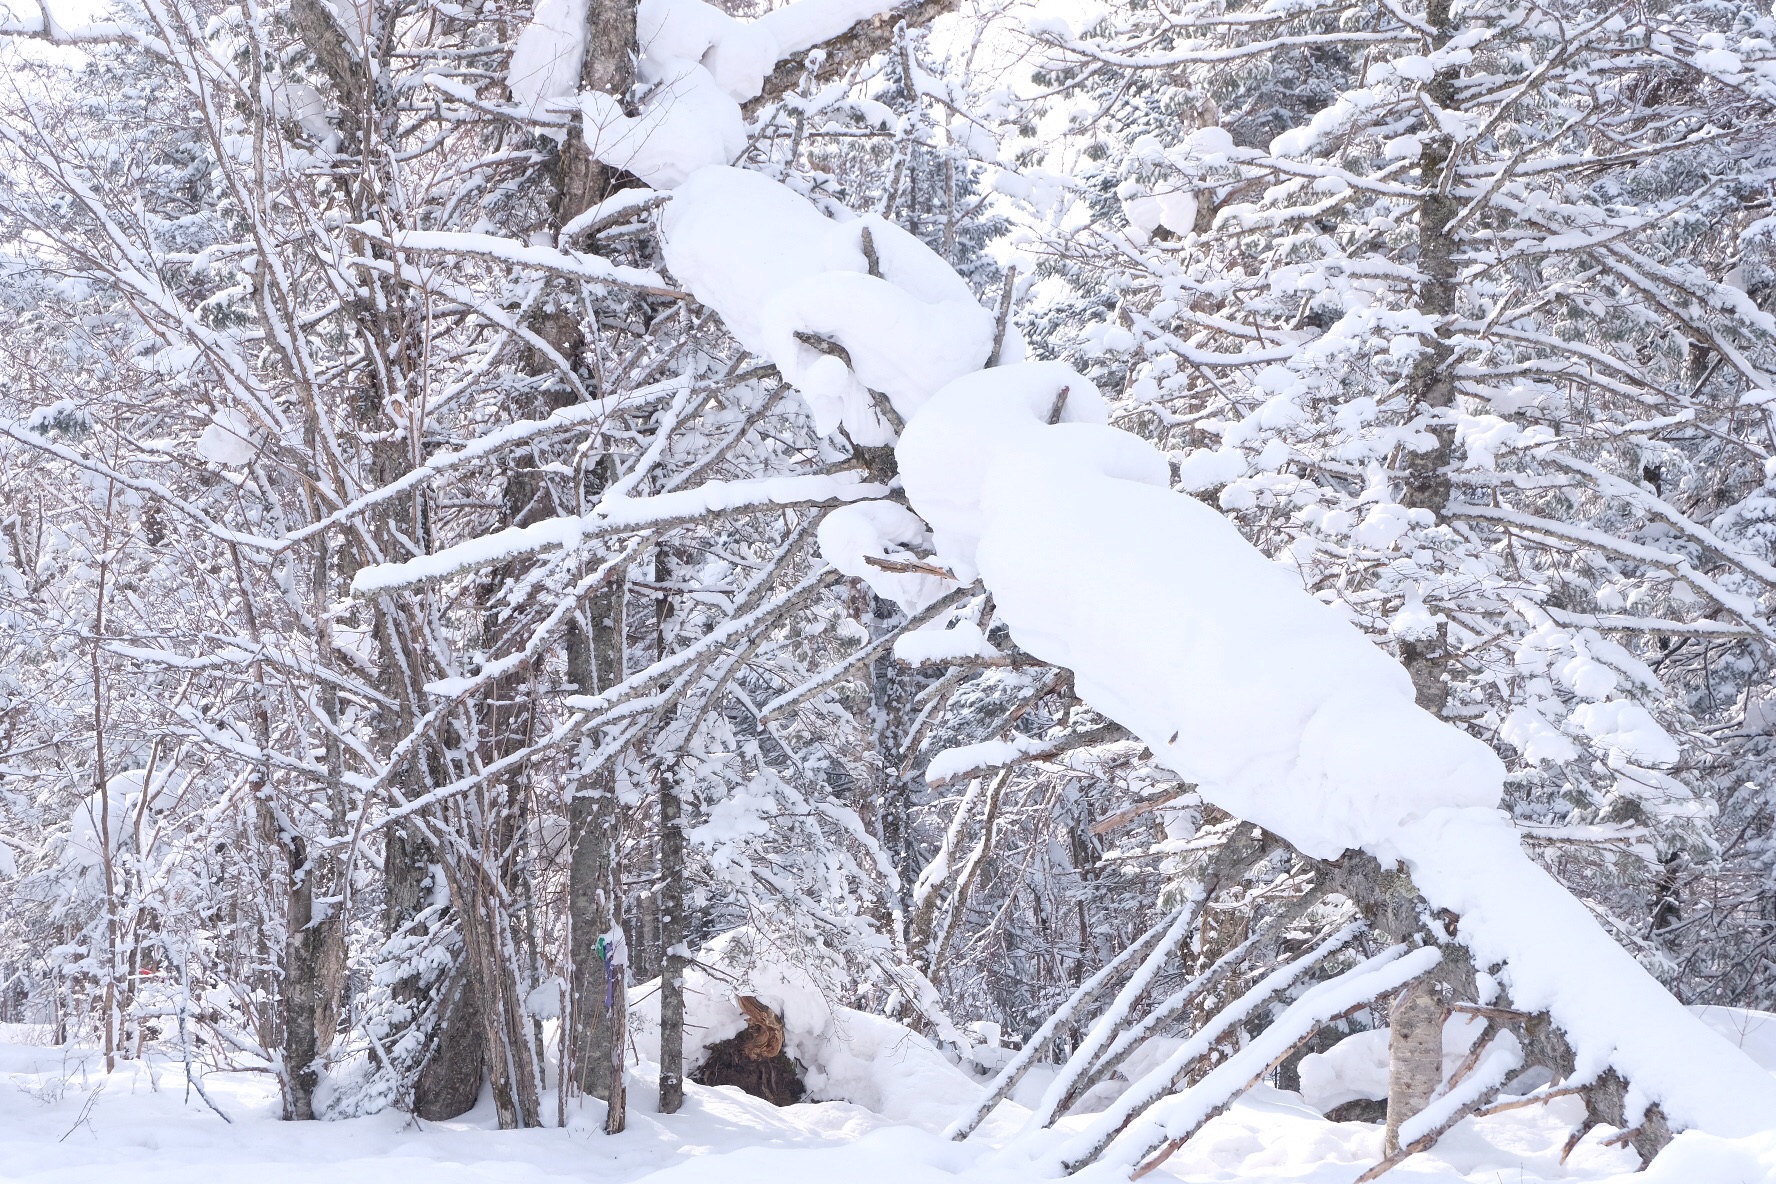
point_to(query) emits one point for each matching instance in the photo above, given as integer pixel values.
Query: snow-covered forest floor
(64, 1120)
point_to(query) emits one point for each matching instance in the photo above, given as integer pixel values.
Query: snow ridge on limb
(1163, 611)
(1177, 628)
(1139, 1101)
(614, 516)
(576, 264)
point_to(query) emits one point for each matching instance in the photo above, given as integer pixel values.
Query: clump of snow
(933, 643)
(546, 60)
(227, 439)
(880, 530)
(1627, 728)
(115, 814)
(686, 123)
(788, 269)
(949, 448)
(737, 54)
(1209, 468)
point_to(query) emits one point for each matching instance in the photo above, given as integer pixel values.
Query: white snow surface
(934, 643)
(144, 1125)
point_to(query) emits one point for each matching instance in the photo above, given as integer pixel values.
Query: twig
(1144, 806)
(909, 568)
(1004, 317)
(85, 1118)
(869, 253)
(1060, 405)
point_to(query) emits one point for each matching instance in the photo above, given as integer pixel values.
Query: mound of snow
(845, 1055)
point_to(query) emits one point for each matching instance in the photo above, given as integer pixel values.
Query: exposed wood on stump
(755, 1060)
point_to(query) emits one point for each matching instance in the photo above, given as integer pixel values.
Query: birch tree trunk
(1415, 1054)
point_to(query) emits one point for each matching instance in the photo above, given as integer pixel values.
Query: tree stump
(754, 1060)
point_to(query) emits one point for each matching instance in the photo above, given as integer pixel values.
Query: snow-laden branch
(1013, 1072)
(1157, 1083)
(574, 264)
(1175, 1119)
(617, 516)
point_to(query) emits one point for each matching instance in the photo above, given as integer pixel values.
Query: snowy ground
(62, 1120)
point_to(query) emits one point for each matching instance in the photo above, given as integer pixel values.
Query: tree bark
(609, 67)
(594, 659)
(1415, 1054)
(1431, 384)
(673, 934)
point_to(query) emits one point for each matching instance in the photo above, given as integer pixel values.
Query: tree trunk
(1415, 1054)
(594, 658)
(1431, 385)
(616, 1114)
(313, 980)
(449, 1084)
(673, 933)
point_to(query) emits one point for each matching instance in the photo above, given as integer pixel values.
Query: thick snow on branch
(1172, 623)
(1557, 959)
(546, 59)
(1284, 714)
(698, 62)
(778, 272)
(1183, 1113)
(853, 535)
